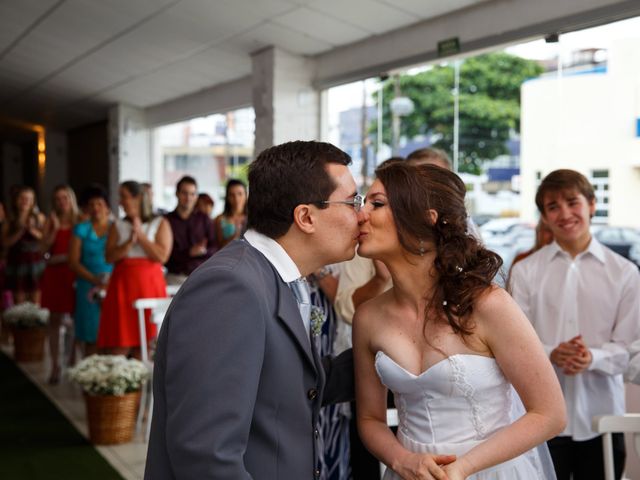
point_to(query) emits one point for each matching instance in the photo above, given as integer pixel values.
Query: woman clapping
(138, 246)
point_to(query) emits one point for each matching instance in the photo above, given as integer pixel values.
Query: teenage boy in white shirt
(584, 301)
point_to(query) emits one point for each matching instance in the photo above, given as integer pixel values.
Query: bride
(450, 345)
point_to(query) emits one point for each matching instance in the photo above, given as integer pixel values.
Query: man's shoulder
(238, 257)
(616, 263)
(172, 216)
(358, 268)
(539, 257)
(237, 269)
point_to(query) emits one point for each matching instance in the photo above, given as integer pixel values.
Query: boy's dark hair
(563, 180)
(186, 179)
(288, 175)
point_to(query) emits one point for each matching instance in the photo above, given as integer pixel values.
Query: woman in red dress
(57, 280)
(138, 246)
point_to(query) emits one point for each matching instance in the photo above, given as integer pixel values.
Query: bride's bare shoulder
(492, 299)
(373, 310)
(495, 307)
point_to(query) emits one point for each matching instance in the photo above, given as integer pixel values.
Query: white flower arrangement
(26, 315)
(109, 374)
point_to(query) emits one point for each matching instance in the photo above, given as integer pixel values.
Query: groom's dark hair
(288, 175)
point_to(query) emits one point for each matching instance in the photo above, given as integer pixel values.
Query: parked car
(507, 237)
(482, 218)
(501, 228)
(634, 254)
(622, 240)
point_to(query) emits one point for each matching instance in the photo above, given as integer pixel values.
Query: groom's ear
(304, 219)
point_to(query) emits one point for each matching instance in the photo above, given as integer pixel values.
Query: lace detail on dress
(468, 391)
(401, 407)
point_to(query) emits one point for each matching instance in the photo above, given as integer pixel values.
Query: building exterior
(587, 121)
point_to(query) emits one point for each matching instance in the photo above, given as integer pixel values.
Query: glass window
(600, 181)
(211, 149)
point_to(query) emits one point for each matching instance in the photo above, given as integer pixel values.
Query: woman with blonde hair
(58, 294)
(21, 236)
(138, 245)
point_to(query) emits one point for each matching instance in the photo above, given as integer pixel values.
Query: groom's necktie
(300, 290)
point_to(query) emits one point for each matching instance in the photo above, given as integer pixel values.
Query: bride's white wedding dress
(455, 405)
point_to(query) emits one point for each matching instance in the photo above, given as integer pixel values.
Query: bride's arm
(371, 403)
(503, 327)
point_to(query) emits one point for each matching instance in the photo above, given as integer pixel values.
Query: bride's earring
(422, 248)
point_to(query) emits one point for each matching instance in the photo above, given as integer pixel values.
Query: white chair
(608, 424)
(392, 421)
(172, 290)
(158, 307)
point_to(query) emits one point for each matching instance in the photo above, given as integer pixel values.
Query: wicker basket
(28, 344)
(112, 418)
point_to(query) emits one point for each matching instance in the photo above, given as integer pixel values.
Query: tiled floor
(127, 458)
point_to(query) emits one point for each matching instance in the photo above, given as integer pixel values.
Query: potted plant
(28, 325)
(111, 386)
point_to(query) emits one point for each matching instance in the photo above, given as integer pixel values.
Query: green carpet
(36, 440)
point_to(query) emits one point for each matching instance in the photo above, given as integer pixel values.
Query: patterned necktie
(300, 290)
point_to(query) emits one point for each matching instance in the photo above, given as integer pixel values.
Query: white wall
(586, 122)
(130, 142)
(296, 102)
(286, 105)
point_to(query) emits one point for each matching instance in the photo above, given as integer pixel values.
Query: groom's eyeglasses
(357, 203)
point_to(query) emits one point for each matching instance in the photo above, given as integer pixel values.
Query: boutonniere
(316, 320)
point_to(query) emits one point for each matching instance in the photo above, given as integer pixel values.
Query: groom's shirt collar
(276, 255)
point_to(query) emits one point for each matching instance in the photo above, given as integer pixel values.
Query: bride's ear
(433, 216)
(303, 218)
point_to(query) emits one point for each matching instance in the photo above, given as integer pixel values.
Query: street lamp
(400, 107)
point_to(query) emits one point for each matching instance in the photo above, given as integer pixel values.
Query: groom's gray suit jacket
(237, 386)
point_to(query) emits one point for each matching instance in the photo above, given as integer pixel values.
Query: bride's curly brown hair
(463, 267)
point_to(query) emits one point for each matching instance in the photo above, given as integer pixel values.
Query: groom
(238, 383)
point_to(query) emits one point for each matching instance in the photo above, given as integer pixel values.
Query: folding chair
(158, 307)
(392, 421)
(608, 424)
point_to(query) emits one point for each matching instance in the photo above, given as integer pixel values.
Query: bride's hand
(455, 471)
(425, 466)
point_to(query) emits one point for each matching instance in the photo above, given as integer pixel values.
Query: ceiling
(63, 62)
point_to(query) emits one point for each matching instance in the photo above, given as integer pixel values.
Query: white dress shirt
(278, 257)
(596, 294)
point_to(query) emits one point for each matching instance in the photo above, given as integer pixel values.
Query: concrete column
(287, 107)
(129, 148)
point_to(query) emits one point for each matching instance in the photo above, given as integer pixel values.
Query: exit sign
(447, 47)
